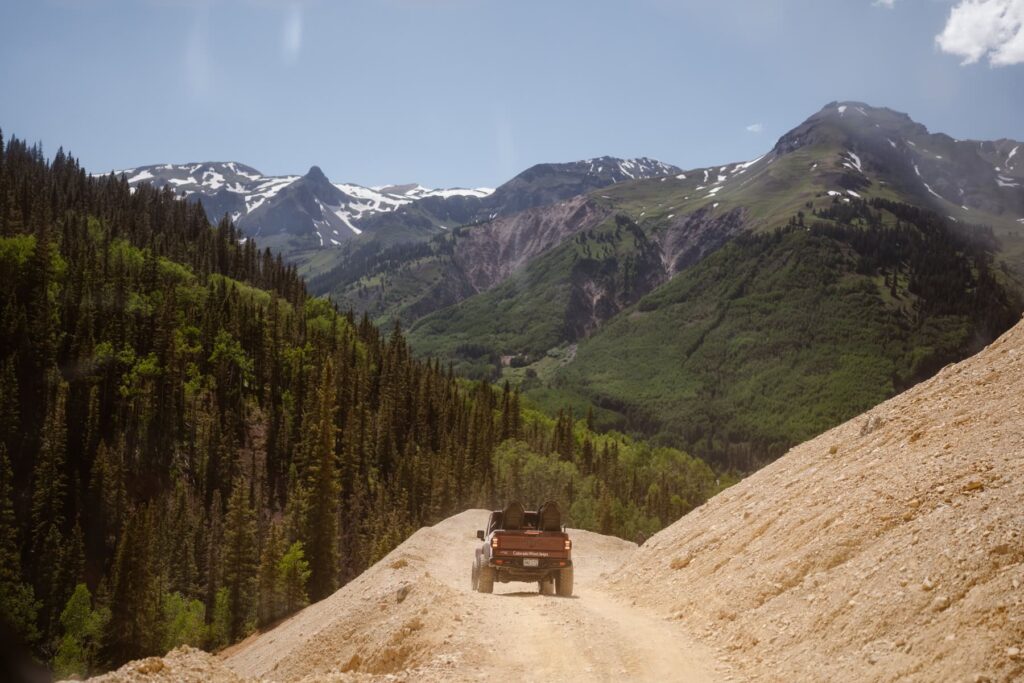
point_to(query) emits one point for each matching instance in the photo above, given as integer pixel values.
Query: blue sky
(469, 92)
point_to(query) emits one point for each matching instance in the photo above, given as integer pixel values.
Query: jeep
(521, 545)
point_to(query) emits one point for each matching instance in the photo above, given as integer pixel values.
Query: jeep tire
(485, 579)
(563, 582)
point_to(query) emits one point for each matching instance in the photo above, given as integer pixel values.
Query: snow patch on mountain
(742, 168)
(852, 162)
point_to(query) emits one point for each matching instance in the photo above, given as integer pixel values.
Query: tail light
(494, 541)
(568, 544)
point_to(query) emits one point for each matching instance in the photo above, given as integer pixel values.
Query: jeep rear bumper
(512, 569)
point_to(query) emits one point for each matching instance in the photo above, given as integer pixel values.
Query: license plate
(531, 562)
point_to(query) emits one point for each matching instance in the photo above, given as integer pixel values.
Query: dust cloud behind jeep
(521, 545)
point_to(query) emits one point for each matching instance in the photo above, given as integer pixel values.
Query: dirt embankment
(890, 548)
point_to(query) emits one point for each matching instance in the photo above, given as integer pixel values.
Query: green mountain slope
(777, 337)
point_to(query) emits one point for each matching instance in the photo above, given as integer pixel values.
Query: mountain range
(299, 215)
(732, 310)
(290, 212)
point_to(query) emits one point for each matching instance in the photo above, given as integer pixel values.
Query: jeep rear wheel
(485, 579)
(563, 582)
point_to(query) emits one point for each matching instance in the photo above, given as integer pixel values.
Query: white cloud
(985, 28)
(888, 4)
(291, 38)
(755, 128)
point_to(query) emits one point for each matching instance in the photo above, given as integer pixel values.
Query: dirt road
(414, 615)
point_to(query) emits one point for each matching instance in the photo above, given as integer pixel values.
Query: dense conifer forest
(192, 447)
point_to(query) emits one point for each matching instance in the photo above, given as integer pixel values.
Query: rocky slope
(470, 262)
(889, 548)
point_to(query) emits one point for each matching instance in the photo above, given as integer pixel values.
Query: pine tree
(17, 602)
(604, 512)
(49, 482)
(270, 601)
(220, 625)
(48, 501)
(72, 564)
(108, 500)
(240, 560)
(183, 569)
(322, 524)
(296, 512)
(133, 630)
(212, 555)
(294, 573)
(9, 417)
(507, 420)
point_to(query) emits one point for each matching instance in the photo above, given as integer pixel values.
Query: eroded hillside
(889, 548)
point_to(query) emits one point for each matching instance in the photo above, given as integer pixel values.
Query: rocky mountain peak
(316, 174)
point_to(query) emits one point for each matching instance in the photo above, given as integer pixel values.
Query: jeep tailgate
(530, 544)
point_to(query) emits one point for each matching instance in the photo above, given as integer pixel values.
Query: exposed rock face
(690, 238)
(490, 253)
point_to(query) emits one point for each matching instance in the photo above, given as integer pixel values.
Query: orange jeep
(524, 546)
